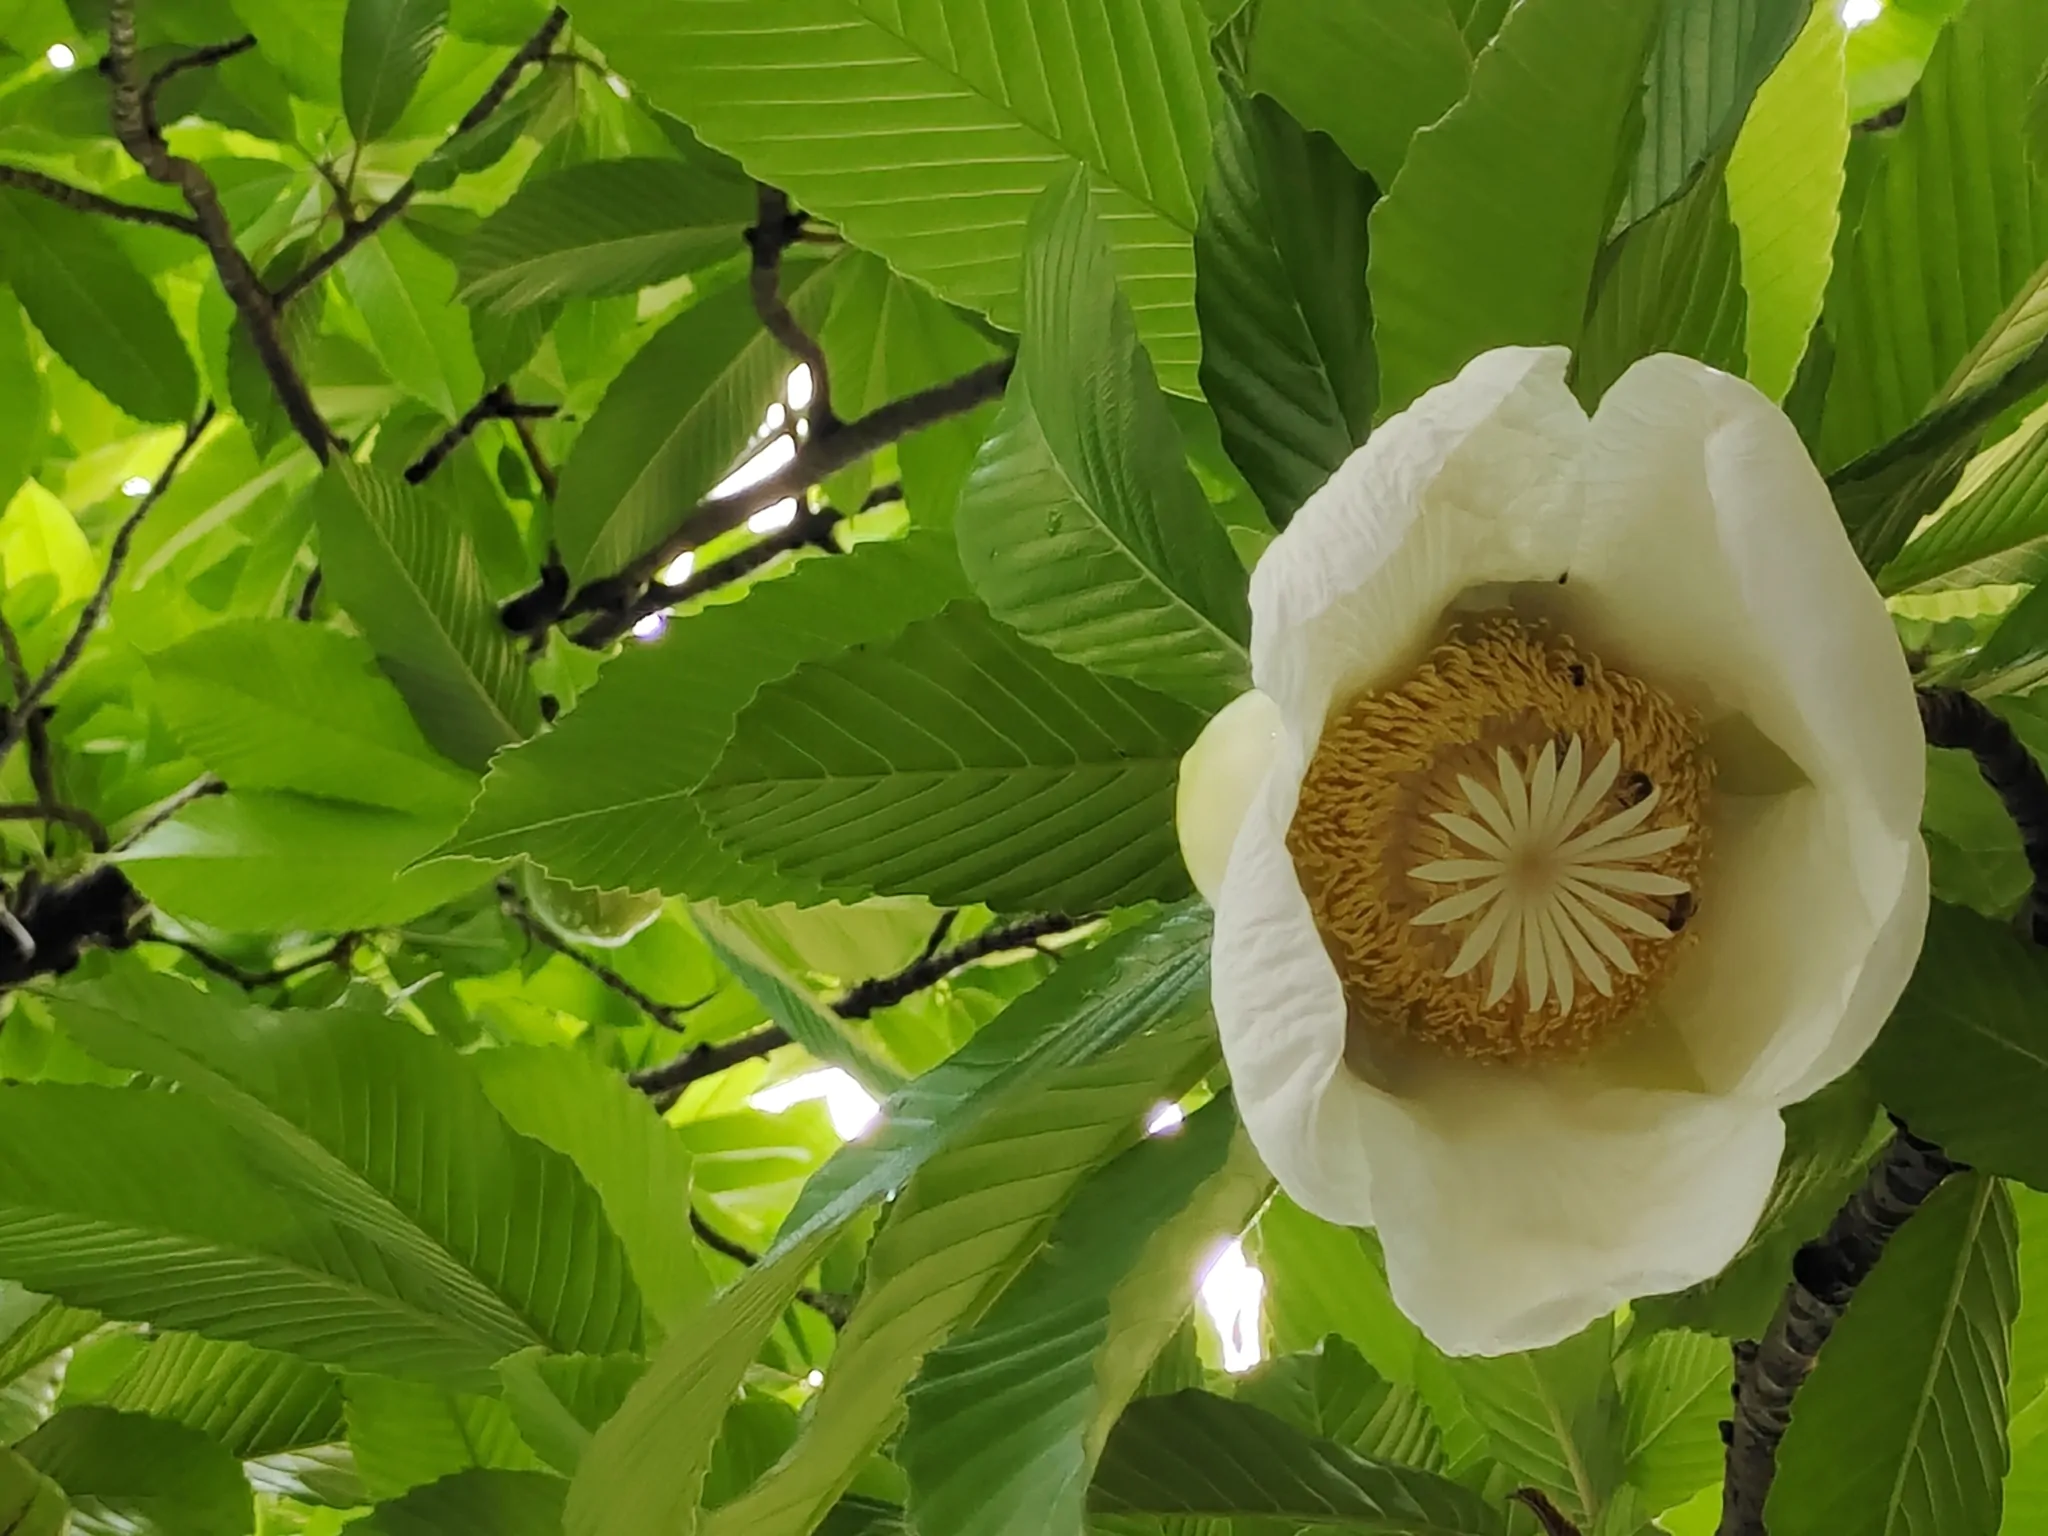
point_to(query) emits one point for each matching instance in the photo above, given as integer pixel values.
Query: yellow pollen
(1503, 853)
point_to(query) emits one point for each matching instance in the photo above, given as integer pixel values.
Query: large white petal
(1526, 1205)
(1714, 564)
(1473, 484)
(1219, 775)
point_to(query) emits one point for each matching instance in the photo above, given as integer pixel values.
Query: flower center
(1501, 852)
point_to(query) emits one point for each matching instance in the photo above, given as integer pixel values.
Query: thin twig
(536, 460)
(1952, 718)
(666, 1082)
(933, 967)
(309, 594)
(535, 49)
(55, 810)
(776, 226)
(834, 1307)
(203, 58)
(1825, 1274)
(817, 460)
(496, 404)
(1555, 1522)
(136, 128)
(26, 180)
(206, 784)
(668, 1015)
(337, 953)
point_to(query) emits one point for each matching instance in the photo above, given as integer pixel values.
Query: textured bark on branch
(1952, 718)
(26, 180)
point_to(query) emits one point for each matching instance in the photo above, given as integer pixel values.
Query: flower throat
(1502, 854)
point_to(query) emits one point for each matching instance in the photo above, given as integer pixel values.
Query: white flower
(1571, 834)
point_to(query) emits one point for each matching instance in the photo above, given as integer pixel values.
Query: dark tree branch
(535, 459)
(339, 952)
(496, 405)
(79, 198)
(665, 1083)
(817, 460)
(206, 784)
(54, 810)
(667, 1015)
(354, 234)
(135, 126)
(203, 58)
(1553, 1520)
(1952, 718)
(776, 227)
(811, 529)
(1825, 1274)
(834, 1307)
(937, 964)
(36, 727)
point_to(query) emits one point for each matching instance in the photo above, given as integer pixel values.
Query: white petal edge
(1219, 775)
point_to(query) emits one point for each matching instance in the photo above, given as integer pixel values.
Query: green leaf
(1280, 261)
(927, 142)
(1323, 1279)
(1674, 1395)
(605, 227)
(1368, 76)
(1193, 1454)
(1004, 1421)
(1946, 242)
(254, 861)
(1964, 1058)
(475, 1503)
(638, 1164)
(607, 798)
(1902, 1426)
(251, 1401)
(23, 402)
(1553, 1417)
(1673, 283)
(30, 1504)
(560, 1401)
(1333, 1393)
(406, 294)
(1994, 529)
(673, 423)
(1082, 526)
(389, 1130)
(960, 1231)
(302, 41)
(91, 305)
(959, 762)
(401, 565)
(126, 1473)
(275, 704)
(1490, 233)
(1709, 60)
(1785, 182)
(407, 1434)
(386, 46)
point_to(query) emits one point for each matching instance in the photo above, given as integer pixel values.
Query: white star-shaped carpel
(1549, 888)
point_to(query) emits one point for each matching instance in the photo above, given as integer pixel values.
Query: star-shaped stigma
(1549, 888)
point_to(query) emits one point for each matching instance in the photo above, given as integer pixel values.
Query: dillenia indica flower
(1570, 834)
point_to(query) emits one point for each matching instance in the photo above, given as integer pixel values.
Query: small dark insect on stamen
(1682, 907)
(1563, 577)
(1578, 675)
(1633, 787)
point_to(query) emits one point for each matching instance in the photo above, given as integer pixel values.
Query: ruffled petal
(1473, 484)
(1527, 1205)
(1219, 776)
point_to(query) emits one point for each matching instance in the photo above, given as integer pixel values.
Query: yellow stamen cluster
(1503, 852)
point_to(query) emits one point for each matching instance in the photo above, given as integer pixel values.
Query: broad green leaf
(1995, 527)
(1193, 1454)
(1333, 1393)
(644, 1470)
(389, 1130)
(604, 227)
(1082, 526)
(638, 1165)
(1710, 57)
(1965, 1055)
(94, 309)
(398, 562)
(1674, 1395)
(1323, 1279)
(252, 1401)
(1368, 76)
(254, 860)
(1902, 1426)
(275, 704)
(1490, 233)
(1005, 1420)
(927, 138)
(1671, 284)
(123, 1472)
(386, 46)
(407, 1434)
(1947, 241)
(475, 1503)
(1553, 1417)
(1785, 181)
(30, 1504)
(23, 401)
(962, 763)
(607, 798)
(42, 1329)
(1887, 54)
(559, 1402)
(40, 537)
(406, 294)
(961, 1230)
(673, 423)
(1149, 978)
(302, 41)
(1280, 257)
(510, 22)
